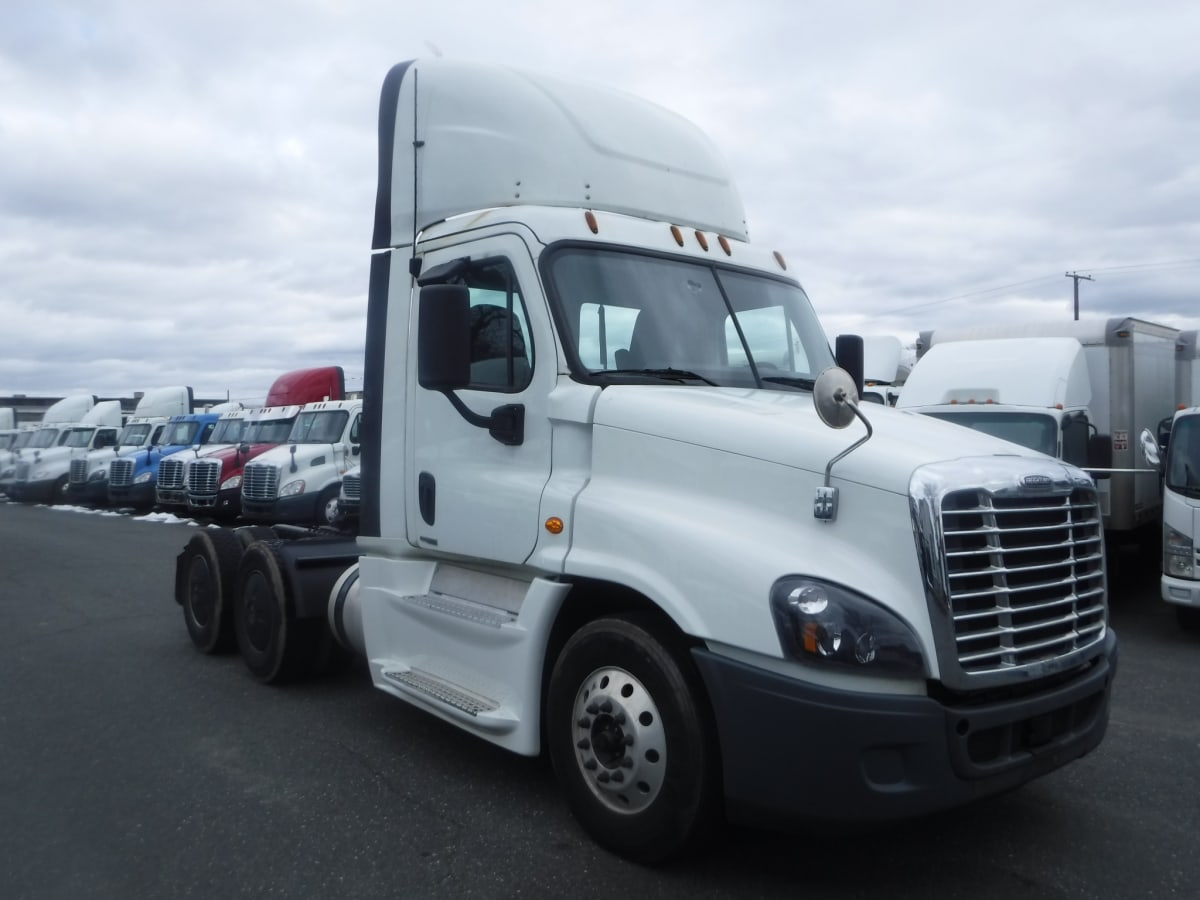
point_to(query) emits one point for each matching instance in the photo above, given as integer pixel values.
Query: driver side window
(501, 346)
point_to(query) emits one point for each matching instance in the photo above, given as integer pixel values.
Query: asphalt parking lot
(131, 766)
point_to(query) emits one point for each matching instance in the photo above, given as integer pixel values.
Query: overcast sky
(187, 189)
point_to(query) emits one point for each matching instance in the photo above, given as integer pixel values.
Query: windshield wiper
(680, 375)
(794, 381)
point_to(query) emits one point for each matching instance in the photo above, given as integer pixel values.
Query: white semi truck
(614, 494)
(42, 473)
(299, 481)
(1082, 391)
(87, 480)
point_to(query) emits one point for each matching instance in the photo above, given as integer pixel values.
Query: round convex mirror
(833, 395)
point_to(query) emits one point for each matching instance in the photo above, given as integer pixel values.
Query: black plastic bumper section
(793, 751)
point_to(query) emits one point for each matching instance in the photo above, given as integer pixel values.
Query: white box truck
(1175, 450)
(614, 493)
(1082, 391)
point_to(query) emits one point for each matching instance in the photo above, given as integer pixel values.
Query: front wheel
(1188, 617)
(631, 740)
(327, 506)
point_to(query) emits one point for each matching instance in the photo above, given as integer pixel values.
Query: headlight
(1178, 553)
(824, 624)
(292, 488)
(99, 475)
(144, 477)
(232, 482)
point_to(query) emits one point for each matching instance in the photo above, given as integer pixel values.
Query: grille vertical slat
(260, 481)
(120, 473)
(79, 471)
(170, 474)
(1018, 596)
(203, 476)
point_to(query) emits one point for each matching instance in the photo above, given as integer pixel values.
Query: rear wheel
(632, 742)
(204, 580)
(276, 646)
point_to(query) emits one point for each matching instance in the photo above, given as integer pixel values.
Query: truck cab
(1034, 392)
(615, 489)
(214, 480)
(170, 488)
(132, 478)
(45, 477)
(88, 478)
(299, 481)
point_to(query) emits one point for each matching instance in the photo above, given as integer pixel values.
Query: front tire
(204, 582)
(632, 742)
(1188, 618)
(327, 507)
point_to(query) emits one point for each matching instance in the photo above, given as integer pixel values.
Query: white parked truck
(88, 477)
(1180, 469)
(614, 493)
(884, 371)
(1082, 391)
(43, 472)
(299, 481)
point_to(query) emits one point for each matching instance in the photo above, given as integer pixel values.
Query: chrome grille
(1025, 576)
(352, 488)
(170, 474)
(203, 477)
(260, 481)
(120, 473)
(79, 471)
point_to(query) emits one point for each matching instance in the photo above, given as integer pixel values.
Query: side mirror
(1149, 447)
(848, 349)
(1100, 456)
(444, 337)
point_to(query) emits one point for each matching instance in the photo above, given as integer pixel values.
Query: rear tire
(276, 646)
(204, 580)
(632, 742)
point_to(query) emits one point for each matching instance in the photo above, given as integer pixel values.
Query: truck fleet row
(614, 489)
(165, 451)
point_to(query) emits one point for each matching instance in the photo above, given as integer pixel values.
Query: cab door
(468, 493)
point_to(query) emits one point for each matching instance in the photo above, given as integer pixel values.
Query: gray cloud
(186, 191)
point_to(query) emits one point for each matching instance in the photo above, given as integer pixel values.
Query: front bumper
(796, 752)
(32, 491)
(223, 503)
(132, 494)
(88, 492)
(1181, 591)
(297, 508)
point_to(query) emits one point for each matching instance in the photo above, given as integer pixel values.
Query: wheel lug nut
(584, 744)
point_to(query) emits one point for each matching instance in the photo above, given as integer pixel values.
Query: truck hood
(231, 459)
(783, 427)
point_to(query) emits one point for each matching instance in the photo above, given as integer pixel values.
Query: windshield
(22, 440)
(324, 427)
(44, 437)
(1183, 457)
(79, 437)
(1032, 430)
(179, 433)
(228, 431)
(134, 435)
(664, 318)
(269, 431)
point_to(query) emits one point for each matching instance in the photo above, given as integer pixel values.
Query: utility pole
(1076, 276)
